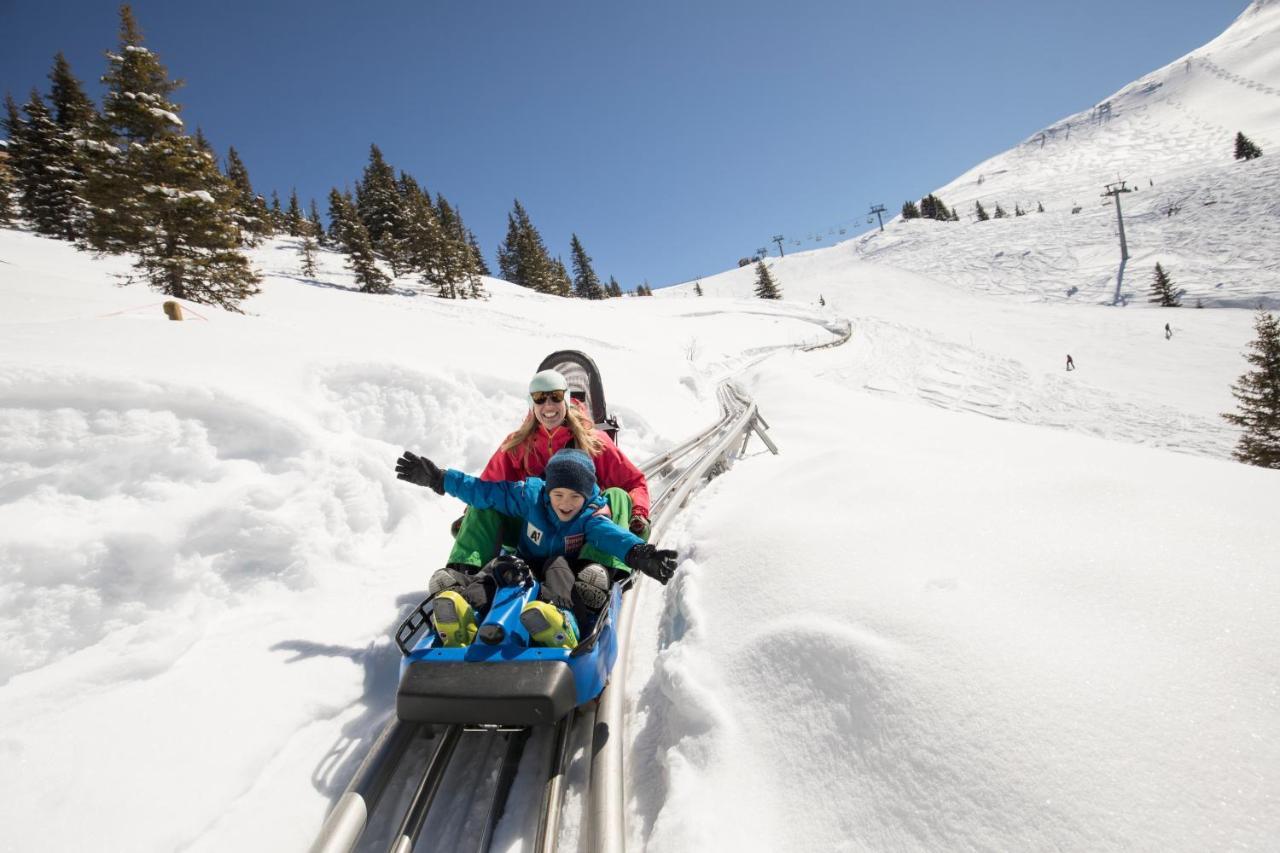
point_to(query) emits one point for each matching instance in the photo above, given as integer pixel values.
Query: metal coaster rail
(673, 477)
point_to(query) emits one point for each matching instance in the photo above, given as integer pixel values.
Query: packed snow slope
(1212, 222)
(977, 602)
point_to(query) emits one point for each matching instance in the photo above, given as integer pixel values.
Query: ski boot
(454, 619)
(549, 625)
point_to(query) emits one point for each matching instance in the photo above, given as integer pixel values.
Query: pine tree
(822, 301)
(81, 129)
(43, 160)
(697, 287)
(6, 195)
(1017, 210)
(561, 284)
(1039, 207)
(314, 223)
(613, 288)
(523, 258)
(586, 284)
(766, 288)
(307, 251)
(1258, 398)
(910, 210)
(1245, 149)
(455, 276)
(477, 256)
(353, 238)
(981, 211)
(379, 206)
(293, 220)
(158, 194)
(277, 213)
(999, 214)
(1162, 290)
(250, 208)
(931, 207)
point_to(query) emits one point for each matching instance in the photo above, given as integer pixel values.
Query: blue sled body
(508, 682)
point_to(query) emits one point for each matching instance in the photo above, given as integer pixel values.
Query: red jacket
(612, 468)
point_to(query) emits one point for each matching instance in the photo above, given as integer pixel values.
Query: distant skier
(1168, 333)
(1071, 365)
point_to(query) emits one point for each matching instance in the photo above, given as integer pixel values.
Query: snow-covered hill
(977, 602)
(1210, 220)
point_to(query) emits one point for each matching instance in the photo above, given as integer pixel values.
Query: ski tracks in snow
(892, 359)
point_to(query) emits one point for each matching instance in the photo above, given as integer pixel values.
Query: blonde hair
(578, 422)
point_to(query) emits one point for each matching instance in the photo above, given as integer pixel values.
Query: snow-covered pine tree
(293, 219)
(697, 287)
(980, 211)
(586, 284)
(999, 214)
(613, 288)
(910, 210)
(353, 239)
(81, 130)
(378, 204)
(1258, 397)
(277, 213)
(42, 158)
(250, 208)
(561, 284)
(766, 287)
(456, 277)
(1163, 291)
(1245, 149)
(307, 252)
(159, 194)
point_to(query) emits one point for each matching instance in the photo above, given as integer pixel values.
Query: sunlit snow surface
(977, 602)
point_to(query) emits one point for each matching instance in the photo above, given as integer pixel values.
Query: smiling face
(551, 413)
(566, 502)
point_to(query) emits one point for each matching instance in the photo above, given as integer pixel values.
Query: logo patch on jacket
(573, 542)
(534, 534)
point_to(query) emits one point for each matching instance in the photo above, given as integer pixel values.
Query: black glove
(420, 471)
(509, 570)
(659, 565)
(639, 526)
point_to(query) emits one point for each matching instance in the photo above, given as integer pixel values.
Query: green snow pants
(485, 531)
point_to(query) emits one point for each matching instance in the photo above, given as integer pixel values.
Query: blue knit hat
(571, 469)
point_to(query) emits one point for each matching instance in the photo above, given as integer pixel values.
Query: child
(559, 514)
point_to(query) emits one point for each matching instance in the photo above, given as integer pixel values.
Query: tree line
(131, 178)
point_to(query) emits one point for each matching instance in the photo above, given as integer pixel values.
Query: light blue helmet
(548, 380)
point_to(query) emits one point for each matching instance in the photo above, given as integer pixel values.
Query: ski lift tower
(877, 209)
(1114, 190)
(778, 238)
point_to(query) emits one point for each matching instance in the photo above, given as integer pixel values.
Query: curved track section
(408, 763)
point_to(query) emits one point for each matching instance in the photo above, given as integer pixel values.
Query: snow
(977, 602)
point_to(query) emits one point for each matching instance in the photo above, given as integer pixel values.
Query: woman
(554, 422)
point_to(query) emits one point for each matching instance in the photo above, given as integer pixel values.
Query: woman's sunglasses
(540, 397)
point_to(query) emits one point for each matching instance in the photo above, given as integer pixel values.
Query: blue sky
(673, 136)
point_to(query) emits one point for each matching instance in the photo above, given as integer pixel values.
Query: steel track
(673, 476)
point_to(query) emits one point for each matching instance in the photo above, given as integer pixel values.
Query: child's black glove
(659, 565)
(420, 471)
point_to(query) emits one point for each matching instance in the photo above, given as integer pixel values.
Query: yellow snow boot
(549, 626)
(453, 619)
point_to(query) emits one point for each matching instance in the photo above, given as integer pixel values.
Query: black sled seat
(526, 694)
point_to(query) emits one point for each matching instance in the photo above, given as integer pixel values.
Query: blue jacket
(543, 535)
